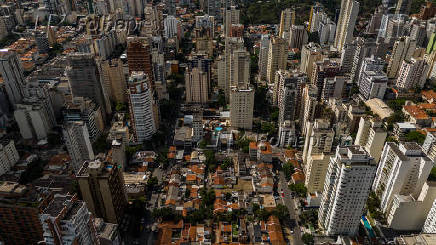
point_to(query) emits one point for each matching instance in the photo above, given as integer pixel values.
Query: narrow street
(289, 203)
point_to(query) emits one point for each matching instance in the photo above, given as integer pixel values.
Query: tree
(282, 212)
(373, 205)
(207, 197)
(307, 239)
(187, 193)
(262, 106)
(228, 196)
(33, 171)
(432, 176)
(227, 162)
(166, 214)
(415, 136)
(309, 217)
(261, 214)
(162, 159)
(288, 170)
(221, 99)
(298, 188)
(131, 150)
(210, 160)
(54, 139)
(268, 128)
(152, 183)
(313, 37)
(101, 144)
(119, 107)
(274, 115)
(398, 116)
(243, 144)
(202, 144)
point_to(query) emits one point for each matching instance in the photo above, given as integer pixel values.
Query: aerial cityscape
(218, 122)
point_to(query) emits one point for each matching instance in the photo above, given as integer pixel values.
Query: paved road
(289, 203)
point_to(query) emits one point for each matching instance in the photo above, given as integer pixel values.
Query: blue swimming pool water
(368, 227)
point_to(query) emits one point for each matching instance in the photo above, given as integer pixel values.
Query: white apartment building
(310, 54)
(171, 27)
(430, 222)
(239, 68)
(429, 145)
(373, 84)
(346, 22)
(114, 80)
(319, 138)
(297, 36)
(8, 156)
(287, 134)
(277, 56)
(403, 170)
(67, 221)
(316, 154)
(347, 56)
(141, 106)
(316, 14)
(365, 47)
(327, 31)
(348, 183)
(372, 64)
(12, 74)
(412, 74)
(263, 56)
(231, 18)
(371, 135)
(309, 106)
(409, 213)
(197, 86)
(241, 107)
(33, 121)
(224, 63)
(78, 143)
(403, 49)
(333, 87)
(287, 18)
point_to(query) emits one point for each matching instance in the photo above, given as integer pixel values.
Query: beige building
(241, 107)
(114, 80)
(403, 50)
(277, 56)
(403, 170)
(317, 153)
(412, 74)
(409, 213)
(197, 86)
(240, 68)
(316, 170)
(310, 54)
(346, 23)
(224, 63)
(371, 135)
(231, 18)
(287, 18)
(204, 45)
(102, 186)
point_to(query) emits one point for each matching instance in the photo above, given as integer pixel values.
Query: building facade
(348, 183)
(78, 143)
(241, 107)
(142, 107)
(102, 186)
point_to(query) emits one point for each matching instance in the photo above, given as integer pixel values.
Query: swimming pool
(368, 227)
